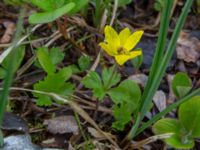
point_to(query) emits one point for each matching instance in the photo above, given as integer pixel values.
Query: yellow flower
(120, 45)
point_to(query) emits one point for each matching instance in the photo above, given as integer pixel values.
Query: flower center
(121, 50)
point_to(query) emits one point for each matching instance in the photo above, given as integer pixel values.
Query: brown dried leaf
(10, 29)
(141, 79)
(160, 100)
(62, 125)
(188, 48)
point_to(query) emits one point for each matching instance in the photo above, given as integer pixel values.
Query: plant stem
(167, 110)
(9, 74)
(161, 69)
(160, 46)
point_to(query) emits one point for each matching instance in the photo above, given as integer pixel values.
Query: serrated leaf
(127, 91)
(45, 61)
(178, 139)
(92, 80)
(56, 55)
(84, 62)
(181, 84)
(189, 116)
(48, 59)
(110, 77)
(122, 116)
(54, 83)
(49, 16)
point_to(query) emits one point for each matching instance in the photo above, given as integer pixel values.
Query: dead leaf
(188, 48)
(140, 79)
(62, 125)
(160, 100)
(10, 29)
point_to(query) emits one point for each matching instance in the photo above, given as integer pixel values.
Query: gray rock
(19, 142)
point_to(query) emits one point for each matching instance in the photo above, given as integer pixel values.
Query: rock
(19, 142)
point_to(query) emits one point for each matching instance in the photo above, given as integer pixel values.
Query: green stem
(167, 110)
(161, 68)
(10, 73)
(160, 46)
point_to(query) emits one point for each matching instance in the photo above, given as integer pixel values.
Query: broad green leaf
(181, 84)
(178, 139)
(127, 91)
(122, 116)
(47, 5)
(189, 116)
(92, 80)
(84, 62)
(137, 61)
(124, 2)
(49, 16)
(56, 55)
(45, 60)
(110, 77)
(79, 4)
(4, 66)
(54, 83)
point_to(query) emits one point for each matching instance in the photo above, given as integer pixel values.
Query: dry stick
(114, 12)
(73, 105)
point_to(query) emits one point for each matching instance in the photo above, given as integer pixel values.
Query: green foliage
(137, 61)
(15, 2)
(54, 82)
(50, 15)
(123, 2)
(185, 129)
(101, 86)
(126, 97)
(181, 84)
(158, 5)
(53, 9)
(5, 64)
(83, 64)
(48, 59)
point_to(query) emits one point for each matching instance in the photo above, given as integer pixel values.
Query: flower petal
(123, 35)
(111, 36)
(121, 59)
(107, 48)
(133, 40)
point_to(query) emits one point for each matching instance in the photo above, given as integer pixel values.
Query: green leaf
(84, 62)
(110, 77)
(79, 4)
(137, 61)
(56, 55)
(4, 66)
(45, 61)
(189, 116)
(49, 16)
(181, 84)
(122, 116)
(178, 139)
(48, 59)
(127, 91)
(124, 2)
(93, 81)
(54, 83)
